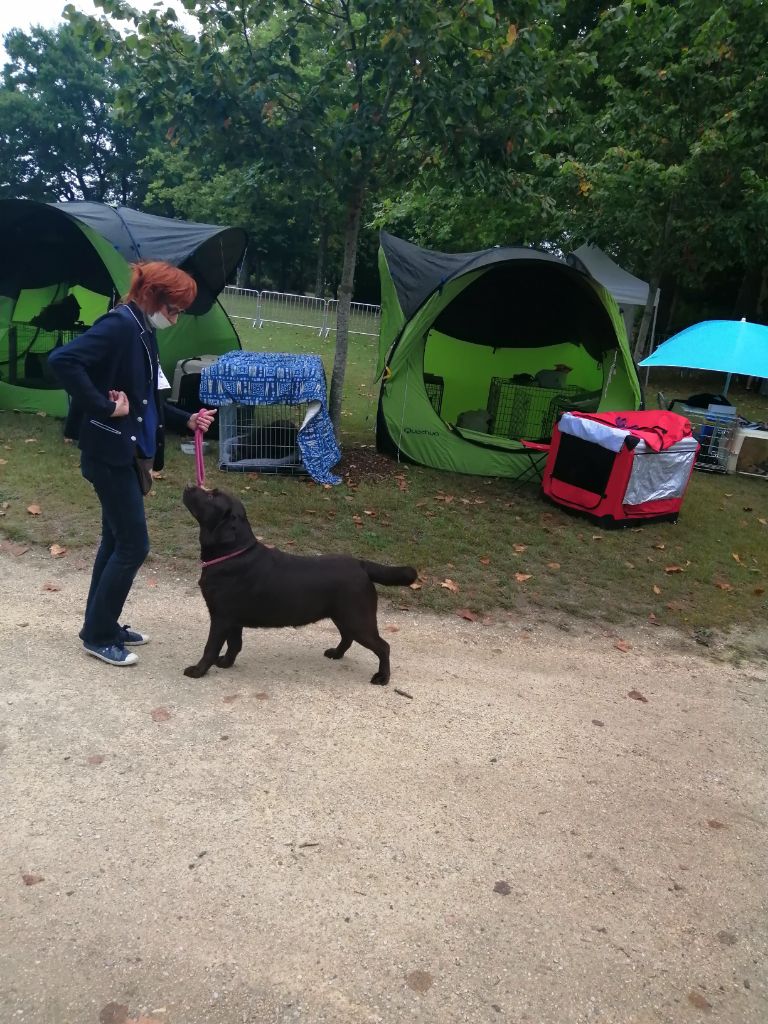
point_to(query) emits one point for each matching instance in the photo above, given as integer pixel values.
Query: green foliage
(59, 137)
(670, 155)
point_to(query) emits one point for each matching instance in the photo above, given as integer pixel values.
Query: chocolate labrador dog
(246, 584)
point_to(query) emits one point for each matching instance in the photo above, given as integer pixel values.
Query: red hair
(155, 284)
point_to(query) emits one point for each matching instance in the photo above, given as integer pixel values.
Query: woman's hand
(121, 403)
(201, 420)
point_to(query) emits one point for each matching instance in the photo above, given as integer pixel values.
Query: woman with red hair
(112, 374)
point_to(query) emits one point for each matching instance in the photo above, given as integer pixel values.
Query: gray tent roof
(577, 314)
(417, 272)
(627, 289)
(207, 252)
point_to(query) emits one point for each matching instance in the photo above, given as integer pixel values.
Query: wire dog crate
(527, 412)
(28, 351)
(716, 434)
(261, 438)
(434, 386)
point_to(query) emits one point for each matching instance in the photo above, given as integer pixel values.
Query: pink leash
(199, 464)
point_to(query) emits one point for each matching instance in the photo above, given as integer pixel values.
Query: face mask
(159, 321)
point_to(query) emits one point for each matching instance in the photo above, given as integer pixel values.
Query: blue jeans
(124, 546)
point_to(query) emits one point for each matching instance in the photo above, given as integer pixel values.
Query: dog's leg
(217, 634)
(344, 644)
(380, 648)
(234, 646)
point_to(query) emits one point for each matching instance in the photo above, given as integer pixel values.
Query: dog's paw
(194, 672)
(379, 680)
(332, 652)
(225, 661)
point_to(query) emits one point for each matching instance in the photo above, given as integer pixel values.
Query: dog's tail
(390, 575)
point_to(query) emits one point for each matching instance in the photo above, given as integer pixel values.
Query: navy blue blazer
(119, 353)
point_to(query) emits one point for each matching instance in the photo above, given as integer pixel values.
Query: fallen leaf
(758, 591)
(660, 547)
(597, 536)
(656, 590)
(485, 561)
(96, 759)
(3, 462)
(521, 577)
(723, 586)
(673, 568)
(520, 548)
(51, 586)
(34, 510)
(448, 584)
(419, 981)
(32, 879)
(622, 645)
(367, 512)
(763, 521)
(636, 695)
(465, 613)
(502, 888)
(415, 586)
(714, 823)
(630, 565)
(261, 696)
(698, 1000)
(230, 698)
(57, 550)
(553, 565)
(402, 483)
(13, 549)
(596, 721)
(160, 715)
(391, 629)
(30, 440)
(736, 557)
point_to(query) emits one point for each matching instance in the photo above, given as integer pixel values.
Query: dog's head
(222, 517)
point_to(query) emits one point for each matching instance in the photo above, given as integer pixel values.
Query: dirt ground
(523, 839)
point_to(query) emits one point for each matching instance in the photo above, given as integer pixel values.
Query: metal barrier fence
(263, 307)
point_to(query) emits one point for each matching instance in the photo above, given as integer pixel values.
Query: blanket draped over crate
(279, 378)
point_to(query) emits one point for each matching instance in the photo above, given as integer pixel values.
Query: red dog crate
(621, 468)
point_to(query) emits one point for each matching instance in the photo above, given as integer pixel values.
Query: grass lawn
(502, 548)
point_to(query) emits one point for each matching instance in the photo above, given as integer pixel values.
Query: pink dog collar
(224, 558)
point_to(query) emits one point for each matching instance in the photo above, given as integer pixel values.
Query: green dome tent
(481, 351)
(64, 265)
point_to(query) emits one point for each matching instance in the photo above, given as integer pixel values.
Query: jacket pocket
(110, 430)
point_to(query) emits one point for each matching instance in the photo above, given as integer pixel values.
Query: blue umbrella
(725, 346)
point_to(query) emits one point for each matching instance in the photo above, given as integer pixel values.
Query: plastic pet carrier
(621, 468)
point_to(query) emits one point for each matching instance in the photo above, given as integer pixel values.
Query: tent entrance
(509, 368)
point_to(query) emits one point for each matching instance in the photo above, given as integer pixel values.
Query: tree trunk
(322, 253)
(672, 308)
(351, 233)
(653, 287)
(748, 294)
(762, 299)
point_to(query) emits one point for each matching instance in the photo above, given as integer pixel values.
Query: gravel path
(522, 841)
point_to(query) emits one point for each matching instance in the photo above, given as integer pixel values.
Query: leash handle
(199, 463)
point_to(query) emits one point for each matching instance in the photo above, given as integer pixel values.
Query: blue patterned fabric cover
(275, 378)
